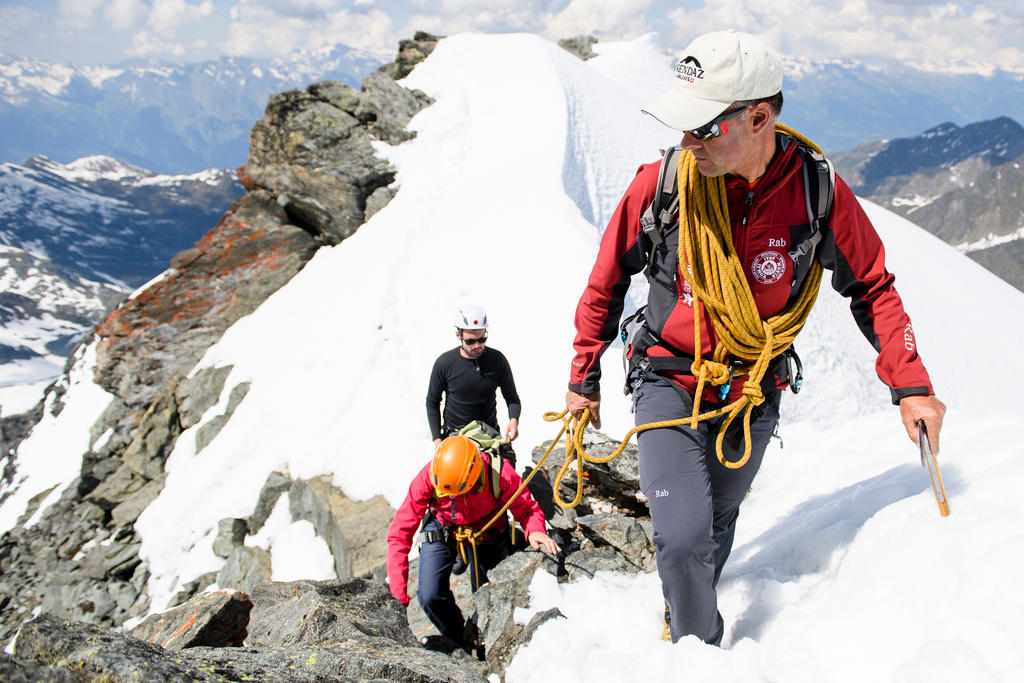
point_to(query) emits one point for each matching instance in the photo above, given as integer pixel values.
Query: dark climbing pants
(436, 562)
(694, 500)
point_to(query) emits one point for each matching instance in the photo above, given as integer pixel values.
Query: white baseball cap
(716, 70)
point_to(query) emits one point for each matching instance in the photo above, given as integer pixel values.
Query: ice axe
(929, 463)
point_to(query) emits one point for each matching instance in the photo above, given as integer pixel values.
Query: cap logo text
(689, 69)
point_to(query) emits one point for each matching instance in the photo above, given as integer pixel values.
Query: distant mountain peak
(90, 168)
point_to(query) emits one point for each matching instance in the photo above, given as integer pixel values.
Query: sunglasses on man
(717, 126)
(471, 341)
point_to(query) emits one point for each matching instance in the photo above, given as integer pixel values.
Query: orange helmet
(456, 466)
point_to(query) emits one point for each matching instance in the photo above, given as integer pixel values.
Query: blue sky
(941, 35)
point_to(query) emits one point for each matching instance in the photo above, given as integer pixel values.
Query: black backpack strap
(817, 198)
(665, 207)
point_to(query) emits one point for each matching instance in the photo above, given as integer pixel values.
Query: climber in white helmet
(467, 378)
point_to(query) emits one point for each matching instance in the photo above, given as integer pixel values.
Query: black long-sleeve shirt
(469, 387)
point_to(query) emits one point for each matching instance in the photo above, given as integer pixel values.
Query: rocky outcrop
(312, 151)
(211, 619)
(349, 630)
(410, 53)
(581, 46)
(311, 178)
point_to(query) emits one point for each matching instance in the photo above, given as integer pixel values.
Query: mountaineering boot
(666, 631)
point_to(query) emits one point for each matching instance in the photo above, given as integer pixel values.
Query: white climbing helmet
(471, 317)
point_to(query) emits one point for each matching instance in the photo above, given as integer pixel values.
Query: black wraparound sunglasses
(717, 126)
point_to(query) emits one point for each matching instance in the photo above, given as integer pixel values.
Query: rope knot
(716, 373)
(752, 390)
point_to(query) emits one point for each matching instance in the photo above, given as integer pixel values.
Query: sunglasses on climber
(469, 341)
(717, 126)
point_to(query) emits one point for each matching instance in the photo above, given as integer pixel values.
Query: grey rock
(387, 108)
(581, 46)
(625, 534)
(508, 587)
(354, 531)
(411, 53)
(231, 533)
(96, 654)
(583, 564)
(212, 619)
(199, 393)
(378, 200)
(206, 433)
(15, 671)
(245, 567)
(309, 613)
(364, 659)
(210, 429)
(129, 509)
(273, 487)
(155, 435)
(191, 588)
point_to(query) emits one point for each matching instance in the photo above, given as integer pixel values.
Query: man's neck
(764, 152)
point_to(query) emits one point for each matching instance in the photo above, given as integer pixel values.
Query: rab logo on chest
(768, 267)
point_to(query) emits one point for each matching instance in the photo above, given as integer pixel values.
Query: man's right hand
(437, 444)
(576, 403)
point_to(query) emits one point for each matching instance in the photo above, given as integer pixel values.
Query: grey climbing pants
(694, 499)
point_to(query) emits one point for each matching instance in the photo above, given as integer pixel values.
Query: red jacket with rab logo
(767, 219)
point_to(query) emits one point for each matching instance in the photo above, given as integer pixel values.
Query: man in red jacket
(453, 490)
(726, 99)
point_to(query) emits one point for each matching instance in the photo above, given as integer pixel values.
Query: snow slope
(842, 570)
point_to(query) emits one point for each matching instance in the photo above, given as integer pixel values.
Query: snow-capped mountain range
(962, 184)
(182, 117)
(175, 118)
(77, 239)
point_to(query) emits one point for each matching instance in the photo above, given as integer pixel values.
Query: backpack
(663, 212)
(488, 441)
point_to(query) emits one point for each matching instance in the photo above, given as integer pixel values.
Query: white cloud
(125, 14)
(167, 15)
(146, 44)
(933, 34)
(77, 15)
(15, 18)
(601, 18)
(259, 30)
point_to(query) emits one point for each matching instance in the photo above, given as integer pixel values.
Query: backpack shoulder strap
(665, 206)
(819, 190)
(494, 461)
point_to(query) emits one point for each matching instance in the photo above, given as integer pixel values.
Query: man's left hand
(914, 409)
(512, 430)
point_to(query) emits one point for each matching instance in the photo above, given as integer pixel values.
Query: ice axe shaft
(929, 463)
